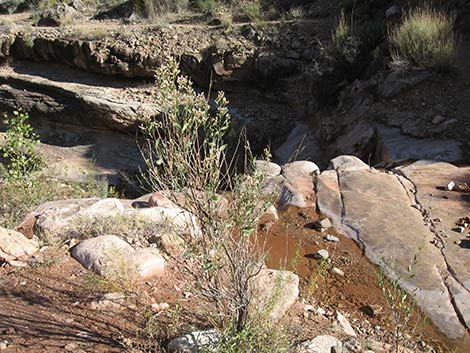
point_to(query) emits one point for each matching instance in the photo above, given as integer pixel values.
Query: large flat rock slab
(394, 147)
(445, 208)
(376, 209)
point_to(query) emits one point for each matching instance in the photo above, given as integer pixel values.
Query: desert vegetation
(187, 160)
(425, 38)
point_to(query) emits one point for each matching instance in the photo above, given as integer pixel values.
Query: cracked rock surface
(376, 209)
(444, 208)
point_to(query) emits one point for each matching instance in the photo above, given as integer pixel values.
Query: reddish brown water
(292, 241)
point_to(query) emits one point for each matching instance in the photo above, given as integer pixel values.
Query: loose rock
(321, 254)
(345, 324)
(332, 238)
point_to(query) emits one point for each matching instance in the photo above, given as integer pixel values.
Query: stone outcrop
(376, 210)
(83, 101)
(394, 147)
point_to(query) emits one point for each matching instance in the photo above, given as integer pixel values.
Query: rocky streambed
(85, 96)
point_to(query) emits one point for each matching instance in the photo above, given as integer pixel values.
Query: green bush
(424, 39)
(19, 147)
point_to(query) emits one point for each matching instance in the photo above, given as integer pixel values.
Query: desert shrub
(250, 8)
(345, 44)
(185, 151)
(208, 7)
(19, 147)
(19, 197)
(424, 39)
(154, 8)
(295, 13)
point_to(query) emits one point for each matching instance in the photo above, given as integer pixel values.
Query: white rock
(320, 344)
(299, 168)
(345, 324)
(337, 271)
(450, 186)
(157, 307)
(332, 238)
(269, 169)
(347, 163)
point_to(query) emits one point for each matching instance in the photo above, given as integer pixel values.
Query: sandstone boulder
(270, 169)
(14, 246)
(274, 293)
(298, 186)
(57, 217)
(113, 258)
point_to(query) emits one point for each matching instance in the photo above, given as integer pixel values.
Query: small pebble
(309, 307)
(450, 186)
(332, 238)
(337, 271)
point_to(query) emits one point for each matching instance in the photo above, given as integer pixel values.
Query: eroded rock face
(375, 209)
(81, 101)
(14, 246)
(113, 258)
(301, 144)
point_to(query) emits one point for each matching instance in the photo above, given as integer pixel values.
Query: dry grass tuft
(424, 39)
